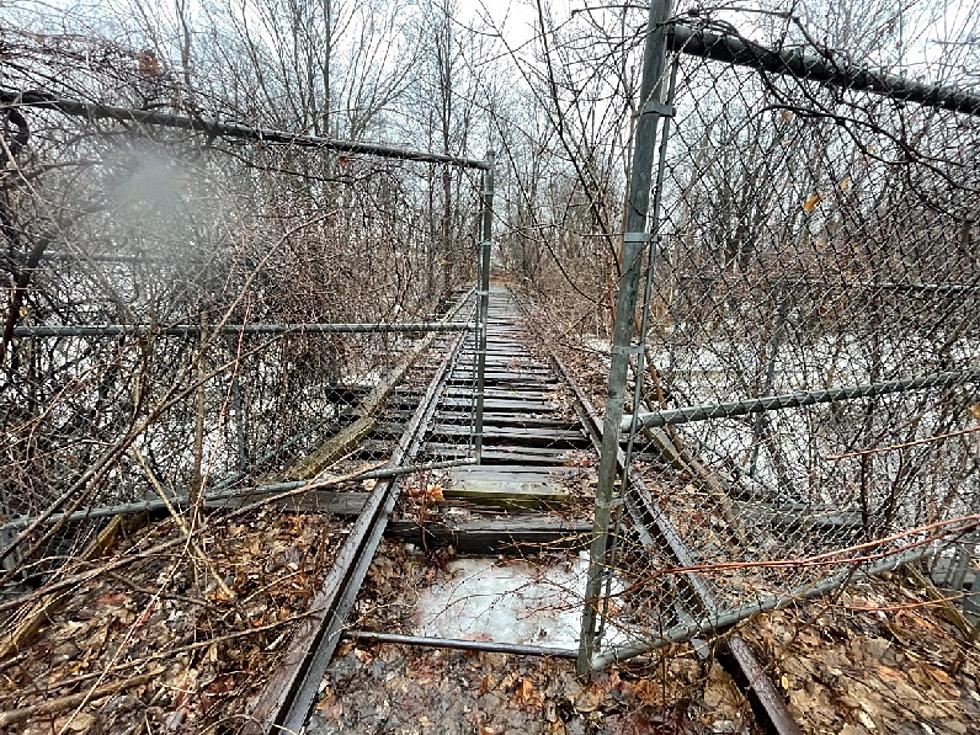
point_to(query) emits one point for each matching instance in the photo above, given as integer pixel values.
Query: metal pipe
(718, 622)
(460, 644)
(824, 69)
(634, 243)
(95, 111)
(241, 427)
(483, 308)
(791, 280)
(803, 398)
(640, 369)
(150, 506)
(194, 330)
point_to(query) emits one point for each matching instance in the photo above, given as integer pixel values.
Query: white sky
(926, 21)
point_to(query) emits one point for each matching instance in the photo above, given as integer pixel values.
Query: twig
(186, 648)
(53, 706)
(893, 447)
(181, 524)
(169, 544)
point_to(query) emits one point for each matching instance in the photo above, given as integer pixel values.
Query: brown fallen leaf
(648, 691)
(79, 722)
(589, 699)
(527, 695)
(487, 683)
(938, 674)
(363, 656)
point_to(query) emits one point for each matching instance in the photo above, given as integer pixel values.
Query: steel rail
(196, 330)
(285, 705)
(824, 69)
(211, 126)
(769, 702)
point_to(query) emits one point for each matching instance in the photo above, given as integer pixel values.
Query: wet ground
(394, 689)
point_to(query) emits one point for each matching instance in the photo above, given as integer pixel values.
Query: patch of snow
(509, 601)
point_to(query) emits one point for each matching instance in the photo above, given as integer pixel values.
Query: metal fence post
(483, 301)
(639, 369)
(635, 240)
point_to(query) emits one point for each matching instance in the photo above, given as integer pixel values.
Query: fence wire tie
(615, 502)
(637, 237)
(632, 349)
(660, 109)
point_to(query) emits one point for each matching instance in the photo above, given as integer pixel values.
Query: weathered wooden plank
(504, 454)
(520, 534)
(508, 495)
(533, 437)
(496, 404)
(518, 469)
(542, 478)
(518, 421)
(504, 394)
(493, 419)
(342, 442)
(466, 381)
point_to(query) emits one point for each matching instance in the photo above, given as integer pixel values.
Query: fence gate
(800, 403)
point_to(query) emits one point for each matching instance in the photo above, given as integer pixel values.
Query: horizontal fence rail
(967, 288)
(828, 70)
(798, 400)
(193, 330)
(95, 111)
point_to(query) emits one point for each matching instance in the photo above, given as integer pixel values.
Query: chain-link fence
(202, 310)
(801, 402)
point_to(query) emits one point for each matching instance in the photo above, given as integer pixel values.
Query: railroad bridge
(780, 401)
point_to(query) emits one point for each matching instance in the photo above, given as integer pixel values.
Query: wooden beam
(530, 533)
(351, 436)
(30, 623)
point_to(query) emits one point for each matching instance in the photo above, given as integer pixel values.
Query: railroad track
(644, 513)
(528, 437)
(286, 701)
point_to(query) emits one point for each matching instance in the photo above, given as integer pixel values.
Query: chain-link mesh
(191, 311)
(808, 393)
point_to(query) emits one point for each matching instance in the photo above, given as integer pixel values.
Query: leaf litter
(875, 659)
(171, 642)
(878, 658)
(371, 688)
